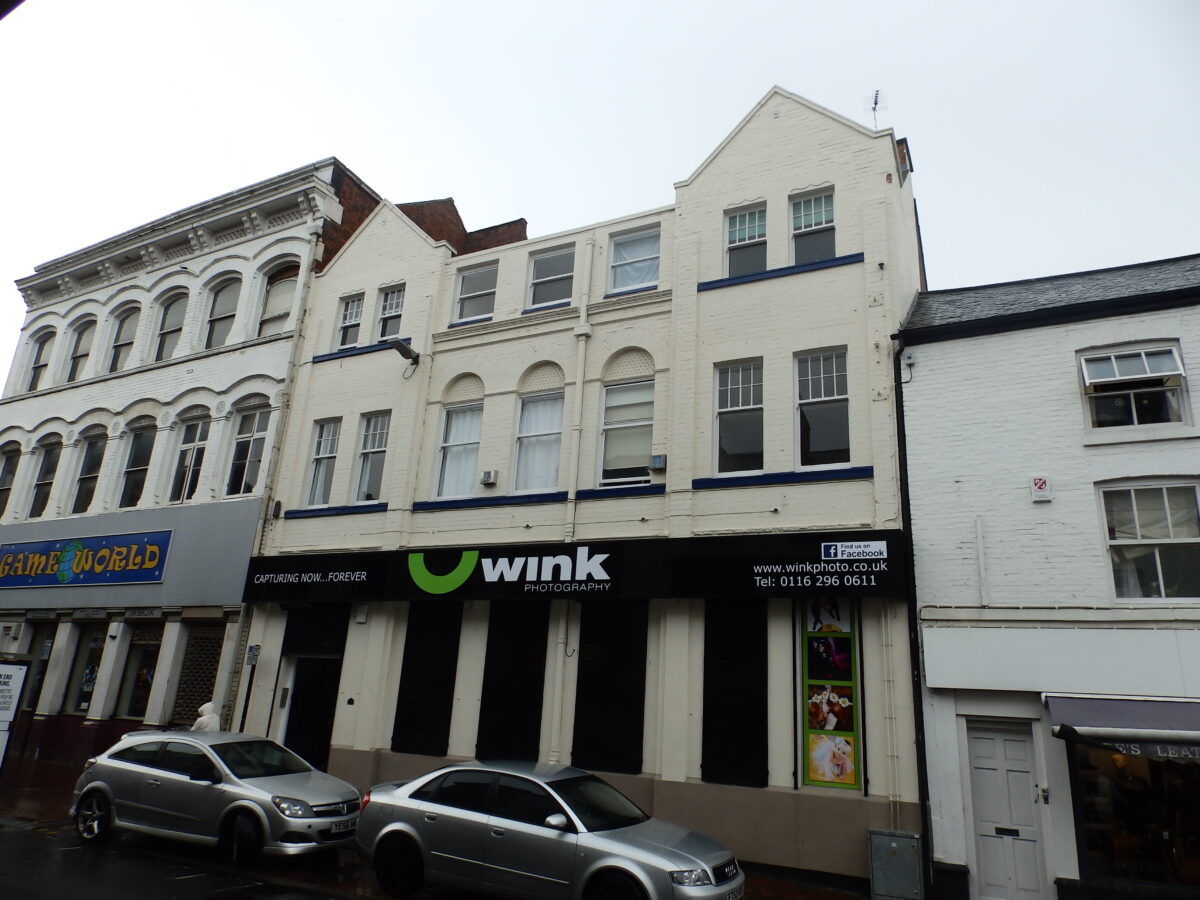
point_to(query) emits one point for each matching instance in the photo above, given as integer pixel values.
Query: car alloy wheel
(614, 886)
(245, 838)
(93, 819)
(398, 866)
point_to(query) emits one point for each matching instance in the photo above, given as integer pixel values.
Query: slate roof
(1039, 301)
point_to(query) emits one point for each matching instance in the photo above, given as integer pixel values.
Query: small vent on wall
(487, 477)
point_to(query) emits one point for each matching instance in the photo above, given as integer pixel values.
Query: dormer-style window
(634, 261)
(477, 293)
(41, 360)
(221, 314)
(1134, 387)
(81, 350)
(551, 276)
(170, 326)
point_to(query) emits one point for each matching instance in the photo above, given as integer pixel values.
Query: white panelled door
(1004, 794)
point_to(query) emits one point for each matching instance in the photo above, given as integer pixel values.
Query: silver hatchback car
(245, 792)
(533, 831)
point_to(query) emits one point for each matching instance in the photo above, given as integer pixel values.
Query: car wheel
(398, 866)
(93, 819)
(613, 886)
(244, 838)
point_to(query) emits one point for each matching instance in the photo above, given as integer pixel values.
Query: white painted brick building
(1053, 461)
(611, 513)
(138, 425)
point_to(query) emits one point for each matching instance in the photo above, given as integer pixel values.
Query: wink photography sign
(839, 564)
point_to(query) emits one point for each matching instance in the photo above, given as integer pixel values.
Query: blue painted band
(545, 306)
(478, 321)
(473, 502)
(850, 474)
(355, 510)
(638, 290)
(781, 273)
(626, 490)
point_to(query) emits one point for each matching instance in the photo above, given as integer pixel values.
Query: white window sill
(1133, 434)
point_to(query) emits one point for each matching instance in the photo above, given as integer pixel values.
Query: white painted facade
(1015, 587)
(676, 330)
(152, 367)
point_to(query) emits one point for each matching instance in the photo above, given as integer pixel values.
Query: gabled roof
(773, 92)
(1034, 302)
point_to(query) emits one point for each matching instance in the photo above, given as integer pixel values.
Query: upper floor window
(551, 276)
(746, 242)
(822, 408)
(122, 345)
(1154, 540)
(10, 459)
(628, 420)
(221, 314)
(81, 350)
(634, 261)
(325, 447)
(137, 464)
(1134, 387)
(189, 460)
(459, 451)
(539, 437)
(391, 306)
(351, 319)
(170, 327)
(248, 446)
(477, 292)
(277, 305)
(89, 471)
(370, 456)
(740, 417)
(812, 228)
(50, 450)
(41, 360)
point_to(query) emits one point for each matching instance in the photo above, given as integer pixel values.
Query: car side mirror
(556, 821)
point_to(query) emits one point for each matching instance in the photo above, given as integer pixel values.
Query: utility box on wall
(895, 858)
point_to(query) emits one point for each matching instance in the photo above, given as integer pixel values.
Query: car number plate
(348, 825)
(736, 893)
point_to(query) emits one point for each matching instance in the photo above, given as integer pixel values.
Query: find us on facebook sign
(854, 550)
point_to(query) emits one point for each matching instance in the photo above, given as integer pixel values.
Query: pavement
(35, 797)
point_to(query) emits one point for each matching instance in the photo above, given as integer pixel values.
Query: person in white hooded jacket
(209, 720)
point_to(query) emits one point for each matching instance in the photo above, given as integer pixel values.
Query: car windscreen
(599, 805)
(259, 759)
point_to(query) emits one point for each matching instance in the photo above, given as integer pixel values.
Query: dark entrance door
(313, 701)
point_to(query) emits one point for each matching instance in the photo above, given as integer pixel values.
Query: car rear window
(464, 790)
(259, 759)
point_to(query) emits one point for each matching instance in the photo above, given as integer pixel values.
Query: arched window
(50, 451)
(94, 442)
(220, 315)
(41, 359)
(10, 458)
(81, 350)
(190, 459)
(137, 463)
(170, 328)
(248, 447)
(277, 306)
(122, 345)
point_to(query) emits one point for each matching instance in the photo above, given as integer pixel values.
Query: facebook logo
(830, 551)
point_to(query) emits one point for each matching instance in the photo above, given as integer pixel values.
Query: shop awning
(1151, 727)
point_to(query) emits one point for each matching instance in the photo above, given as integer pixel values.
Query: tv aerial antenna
(876, 103)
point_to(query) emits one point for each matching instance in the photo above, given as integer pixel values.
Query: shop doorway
(312, 707)
(1007, 824)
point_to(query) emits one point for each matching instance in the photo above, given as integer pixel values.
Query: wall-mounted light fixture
(405, 350)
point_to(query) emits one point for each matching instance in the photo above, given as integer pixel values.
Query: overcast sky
(1048, 136)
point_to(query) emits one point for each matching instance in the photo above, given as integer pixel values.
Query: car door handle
(153, 782)
(430, 817)
(498, 832)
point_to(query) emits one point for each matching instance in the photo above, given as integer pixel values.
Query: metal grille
(199, 672)
(725, 871)
(328, 810)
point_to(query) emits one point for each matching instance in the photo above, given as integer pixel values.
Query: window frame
(43, 347)
(189, 459)
(535, 282)
(133, 490)
(613, 264)
(326, 436)
(281, 274)
(122, 350)
(735, 245)
(348, 329)
(718, 409)
(10, 464)
(389, 317)
(607, 428)
(257, 416)
(169, 338)
(89, 471)
(372, 454)
(80, 355)
(525, 441)
(460, 297)
(445, 445)
(828, 223)
(1133, 385)
(827, 400)
(1115, 546)
(89, 654)
(222, 320)
(49, 459)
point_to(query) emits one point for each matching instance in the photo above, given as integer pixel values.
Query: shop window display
(829, 669)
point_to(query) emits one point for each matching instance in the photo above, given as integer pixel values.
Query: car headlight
(293, 808)
(690, 877)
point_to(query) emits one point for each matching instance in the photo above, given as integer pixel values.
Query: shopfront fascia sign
(842, 564)
(82, 561)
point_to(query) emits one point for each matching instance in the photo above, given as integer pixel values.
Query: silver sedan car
(245, 792)
(527, 830)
